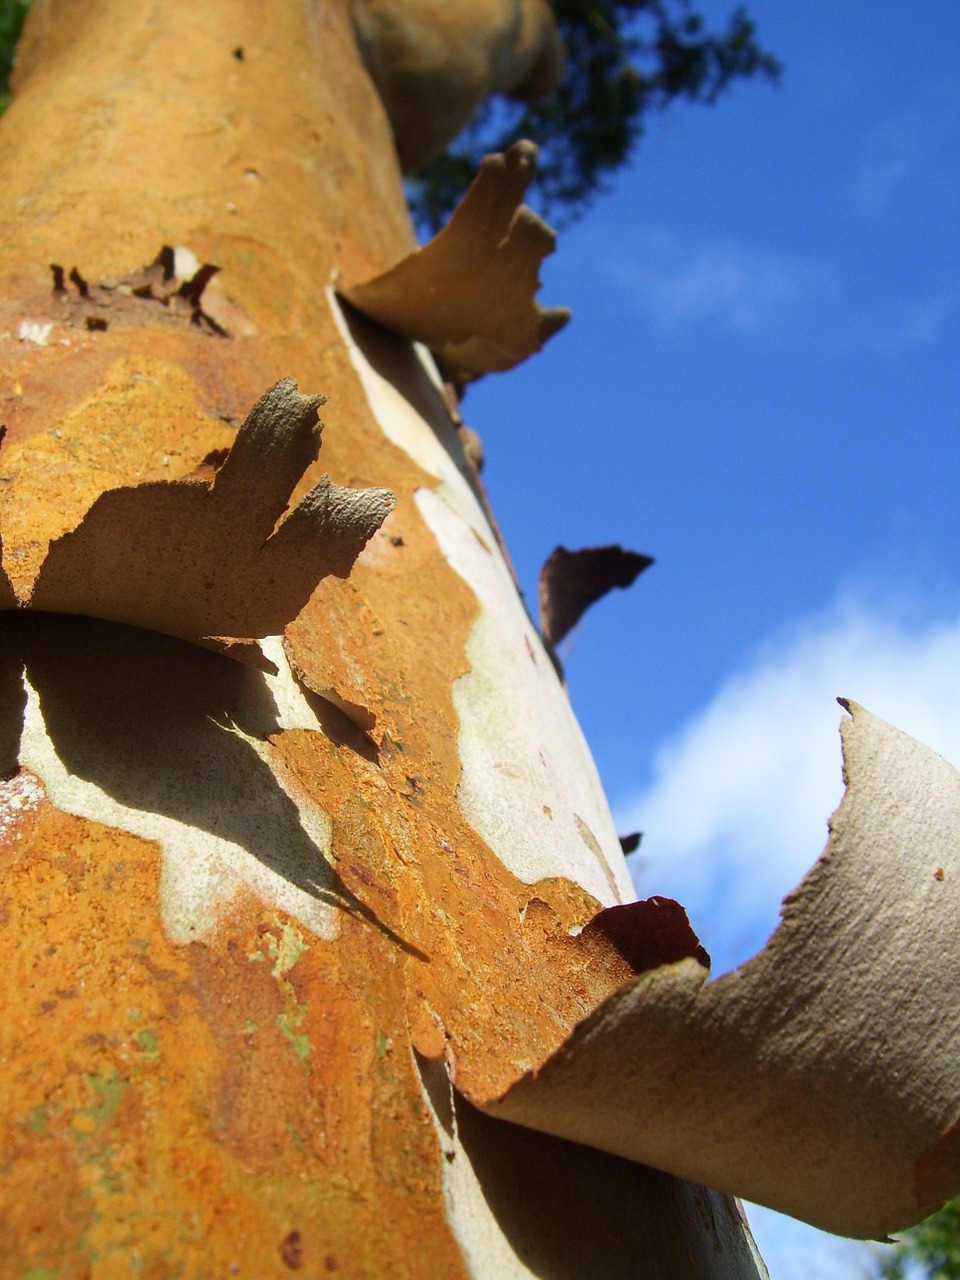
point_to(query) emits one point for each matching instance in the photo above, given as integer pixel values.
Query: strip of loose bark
(217, 561)
(571, 581)
(470, 294)
(823, 1077)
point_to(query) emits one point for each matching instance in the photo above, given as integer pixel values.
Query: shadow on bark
(396, 361)
(163, 727)
(13, 696)
(569, 1212)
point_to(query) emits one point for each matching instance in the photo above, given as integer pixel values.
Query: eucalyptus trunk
(305, 861)
(241, 901)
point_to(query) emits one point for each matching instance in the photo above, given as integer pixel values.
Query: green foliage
(626, 58)
(13, 14)
(930, 1250)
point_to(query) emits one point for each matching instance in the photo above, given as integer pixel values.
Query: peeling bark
(279, 928)
(469, 295)
(435, 63)
(214, 561)
(571, 581)
(813, 1078)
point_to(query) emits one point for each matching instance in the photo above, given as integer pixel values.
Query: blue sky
(760, 388)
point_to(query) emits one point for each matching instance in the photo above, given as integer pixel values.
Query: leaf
(217, 561)
(571, 581)
(469, 294)
(823, 1077)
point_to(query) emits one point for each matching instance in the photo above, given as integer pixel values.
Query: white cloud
(905, 157)
(769, 296)
(895, 153)
(736, 812)
(890, 326)
(794, 1251)
(747, 291)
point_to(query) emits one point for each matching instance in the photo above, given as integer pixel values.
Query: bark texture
(308, 887)
(253, 903)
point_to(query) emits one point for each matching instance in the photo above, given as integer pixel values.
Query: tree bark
(262, 893)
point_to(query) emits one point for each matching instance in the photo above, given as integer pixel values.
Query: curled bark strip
(470, 294)
(648, 934)
(217, 561)
(571, 581)
(434, 67)
(823, 1077)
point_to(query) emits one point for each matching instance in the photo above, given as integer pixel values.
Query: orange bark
(229, 1090)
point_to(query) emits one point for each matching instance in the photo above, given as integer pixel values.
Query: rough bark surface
(306, 876)
(249, 915)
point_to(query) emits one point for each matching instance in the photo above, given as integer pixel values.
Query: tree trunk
(260, 899)
(309, 889)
